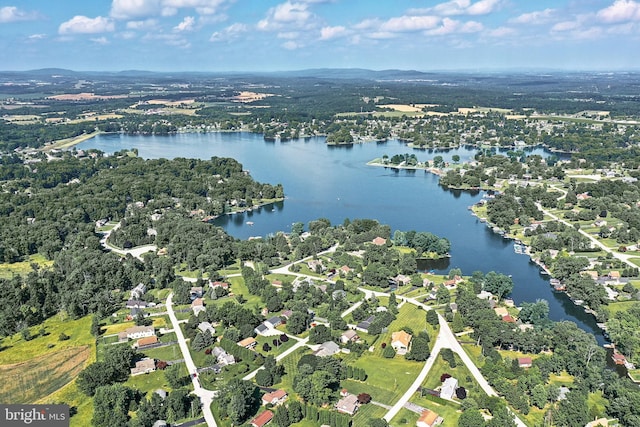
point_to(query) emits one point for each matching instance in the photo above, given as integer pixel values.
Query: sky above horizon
(271, 35)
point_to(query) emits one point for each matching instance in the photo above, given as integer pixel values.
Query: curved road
(445, 339)
(206, 396)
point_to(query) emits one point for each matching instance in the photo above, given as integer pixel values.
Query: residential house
(277, 283)
(315, 265)
(591, 273)
(197, 305)
(525, 362)
(218, 284)
(146, 341)
(262, 420)
(400, 341)
(345, 269)
(160, 423)
(349, 336)
(501, 311)
(508, 319)
(261, 329)
(206, 326)
(286, 314)
(401, 279)
(136, 332)
(379, 241)
(429, 418)
(454, 307)
(273, 322)
(614, 275)
(365, 324)
(249, 343)
(138, 291)
(135, 303)
(222, 357)
(348, 404)
(448, 389)
(144, 366)
(275, 397)
(196, 292)
(618, 358)
(161, 392)
(328, 348)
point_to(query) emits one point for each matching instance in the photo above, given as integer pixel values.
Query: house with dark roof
(365, 324)
(273, 322)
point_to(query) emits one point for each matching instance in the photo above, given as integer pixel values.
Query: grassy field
(148, 383)
(34, 379)
(45, 353)
(8, 270)
(406, 418)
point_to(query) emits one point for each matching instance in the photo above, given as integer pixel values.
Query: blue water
(322, 181)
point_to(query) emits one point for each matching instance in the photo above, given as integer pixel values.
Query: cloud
(451, 26)
(288, 14)
(465, 7)
(620, 11)
(410, 23)
(13, 14)
(501, 32)
(289, 35)
(147, 24)
(565, 26)
(131, 9)
(229, 33)
(100, 40)
(82, 25)
(328, 33)
(291, 45)
(187, 24)
(37, 36)
(534, 18)
(203, 7)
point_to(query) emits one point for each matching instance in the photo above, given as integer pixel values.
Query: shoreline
(63, 144)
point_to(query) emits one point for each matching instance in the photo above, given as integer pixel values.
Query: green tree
(111, 406)
(471, 418)
(432, 317)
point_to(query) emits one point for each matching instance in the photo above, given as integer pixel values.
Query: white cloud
(328, 33)
(291, 45)
(410, 23)
(83, 25)
(187, 24)
(100, 40)
(13, 14)
(203, 7)
(288, 35)
(464, 7)
(170, 39)
(147, 24)
(229, 33)
(565, 26)
(534, 18)
(501, 32)
(288, 14)
(131, 9)
(620, 11)
(451, 26)
(37, 36)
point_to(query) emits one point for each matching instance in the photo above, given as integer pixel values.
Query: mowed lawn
(388, 379)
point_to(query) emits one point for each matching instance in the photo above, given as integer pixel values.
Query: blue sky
(267, 35)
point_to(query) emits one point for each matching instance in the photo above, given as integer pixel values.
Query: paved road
(445, 339)
(206, 396)
(299, 344)
(135, 252)
(622, 257)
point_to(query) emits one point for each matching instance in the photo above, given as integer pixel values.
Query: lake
(322, 181)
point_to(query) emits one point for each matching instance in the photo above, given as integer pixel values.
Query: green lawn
(148, 383)
(366, 413)
(171, 352)
(407, 418)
